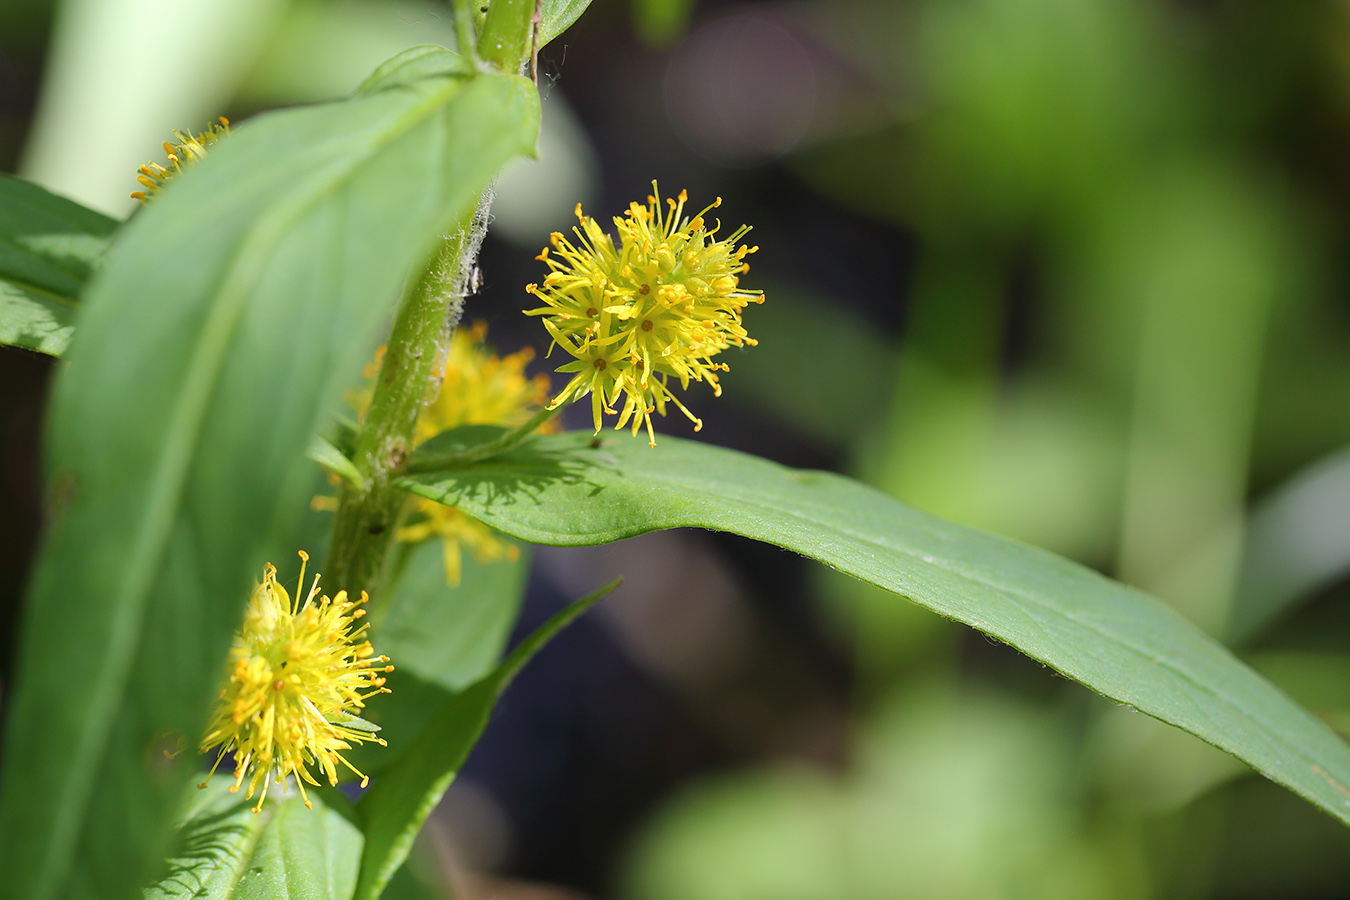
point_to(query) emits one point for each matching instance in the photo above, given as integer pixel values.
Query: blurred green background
(1072, 271)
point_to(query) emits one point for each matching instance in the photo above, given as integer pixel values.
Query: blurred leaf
(1150, 768)
(759, 834)
(225, 323)
(794, 372)
(1318, 680)
(225, 851)
(1298, 540)
(661, 21)
(441, 639)
(35, 321)
(48, 247)
(413, 64)
(451, 635)
(107, 100)
(1124, 644)
(321, 49)
(405, 885)
(948, 794)
(556, 16)
(1202, 260)
(48, 243)
(393, 810)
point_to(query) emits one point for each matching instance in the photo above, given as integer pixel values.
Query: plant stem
(464, 32)
(441, 461)
(507, 38)
(368, 513)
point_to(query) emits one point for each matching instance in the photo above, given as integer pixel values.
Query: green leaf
(451, 635)
(225, 851)
(218, 334)
(556, 16)
(1111, 638)
(792, 375)
(332, 459)
(35, 321)
(393, 810)
(413, 65)
(441, 639)
(1297, 543)
(48, 247)
(402, 716)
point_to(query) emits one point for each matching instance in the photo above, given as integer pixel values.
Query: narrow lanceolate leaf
(217, 334)
(48, 247)
(394, 809)
(556, 490)
(225, 851)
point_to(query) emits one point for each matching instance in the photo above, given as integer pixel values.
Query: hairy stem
(369, 512)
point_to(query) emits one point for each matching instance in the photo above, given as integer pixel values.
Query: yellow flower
(456, 531)
(476, 387)
(297, 673)
(480, 388)
(189, 149)
(659, 305)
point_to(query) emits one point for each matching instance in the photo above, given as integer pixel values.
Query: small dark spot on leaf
(376, 529)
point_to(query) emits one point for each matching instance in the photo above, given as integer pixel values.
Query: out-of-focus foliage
(927, 804)
(48, 247)
(1122, 329)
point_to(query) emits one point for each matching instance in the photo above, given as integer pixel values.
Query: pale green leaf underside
(560, 490)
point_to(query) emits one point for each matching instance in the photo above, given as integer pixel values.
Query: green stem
(369, 511)
(464, 32)
(508, 33)
(439, 462)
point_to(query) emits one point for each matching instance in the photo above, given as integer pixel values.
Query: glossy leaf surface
(564, 491)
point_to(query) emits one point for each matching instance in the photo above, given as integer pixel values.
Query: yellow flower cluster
(477, 388)
(480, 388)
(658, 305)
(189, 149)
(296, 673)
